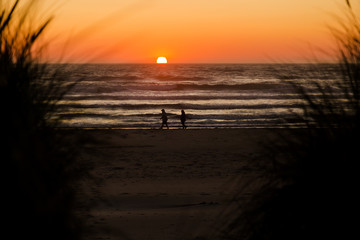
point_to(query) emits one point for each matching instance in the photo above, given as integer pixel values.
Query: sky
(190, 31)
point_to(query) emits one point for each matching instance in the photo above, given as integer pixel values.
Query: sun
(161, 60)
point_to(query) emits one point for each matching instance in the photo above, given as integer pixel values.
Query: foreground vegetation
(309, 180)
(39, 173)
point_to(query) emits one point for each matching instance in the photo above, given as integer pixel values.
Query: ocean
(131, 96)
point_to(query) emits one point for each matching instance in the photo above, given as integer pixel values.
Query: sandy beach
(164, 184)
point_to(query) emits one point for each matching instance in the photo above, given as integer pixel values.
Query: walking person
(183, 119)
(164, 119)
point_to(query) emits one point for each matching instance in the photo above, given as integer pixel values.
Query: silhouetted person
(183, 119)
(164, 119)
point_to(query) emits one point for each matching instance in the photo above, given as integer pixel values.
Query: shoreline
(180, 128)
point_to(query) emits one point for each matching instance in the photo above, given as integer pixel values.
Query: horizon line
(189, 63)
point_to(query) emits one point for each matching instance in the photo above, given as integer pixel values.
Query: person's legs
(164, 123)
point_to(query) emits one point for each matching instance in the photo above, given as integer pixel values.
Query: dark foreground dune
(169, 184)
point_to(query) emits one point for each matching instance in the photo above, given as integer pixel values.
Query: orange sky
(189, 31)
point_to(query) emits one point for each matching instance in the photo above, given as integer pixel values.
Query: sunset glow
(161, 60)
(190, 31)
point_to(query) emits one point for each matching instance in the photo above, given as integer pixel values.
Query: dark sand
(164, 184)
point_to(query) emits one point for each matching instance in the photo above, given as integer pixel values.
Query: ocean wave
(214, 87)
(210, 96)
(174, 97)
(126, 77)
(219, 95)
(170, 77)
(180, 106)
(190, 117)
(106, 87)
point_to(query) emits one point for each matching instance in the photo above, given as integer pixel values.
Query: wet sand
(164, 184)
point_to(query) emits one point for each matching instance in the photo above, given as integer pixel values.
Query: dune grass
(38, 168)
(309, 178)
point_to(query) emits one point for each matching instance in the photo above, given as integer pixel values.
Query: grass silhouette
(38, 168)
(307, 183)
